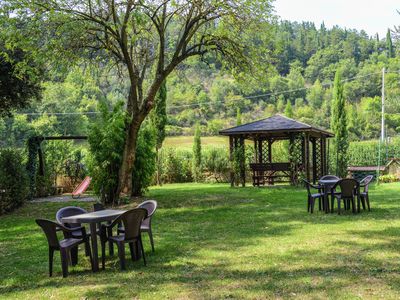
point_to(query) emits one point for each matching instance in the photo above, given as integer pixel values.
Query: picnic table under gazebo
(308, 150)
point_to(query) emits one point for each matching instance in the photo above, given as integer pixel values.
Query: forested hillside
(296, 82)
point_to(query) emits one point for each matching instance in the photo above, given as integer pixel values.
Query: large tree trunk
(128, 159)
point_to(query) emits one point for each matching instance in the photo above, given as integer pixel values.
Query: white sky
(374, 16)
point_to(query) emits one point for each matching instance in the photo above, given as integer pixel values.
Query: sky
(374, 16)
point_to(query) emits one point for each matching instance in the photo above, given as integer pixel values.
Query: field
(213, 241)
(186, 142)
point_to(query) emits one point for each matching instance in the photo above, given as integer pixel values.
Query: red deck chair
(81, 188)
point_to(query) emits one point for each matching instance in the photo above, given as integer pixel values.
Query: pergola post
(315, 166)
(307, 155)
(231, 149)
(242, 162)
(270, 141)
(323, 155)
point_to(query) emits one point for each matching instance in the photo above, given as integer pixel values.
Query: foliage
(388, 178)
(106, 139)
(14, 184)
(197, 157)
(176, 165)
(216, 164)
(19, 80)
(339, 127)
(145, 162)
(159, 120)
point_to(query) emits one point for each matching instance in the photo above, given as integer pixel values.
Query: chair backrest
(307, 184)
(329, 177)
(132, 219)
(98, 206)
(150, 206)
(347, 186)
(50, 229)
(68, 212)
(366, 181)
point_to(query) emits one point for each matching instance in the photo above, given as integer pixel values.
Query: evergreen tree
(159, 120)
(238, 117)
(289, 110)
(389, 45)
(339, 126)
(196, 163)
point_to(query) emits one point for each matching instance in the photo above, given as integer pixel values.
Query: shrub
(13, 180)
(388, 178)
(145, 161)
(176, 165)
(216, 164)
(106, 142)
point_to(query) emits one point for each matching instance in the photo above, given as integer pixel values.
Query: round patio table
(92, 219)
(327, 185)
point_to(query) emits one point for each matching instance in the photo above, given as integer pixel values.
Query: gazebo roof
(275, 126)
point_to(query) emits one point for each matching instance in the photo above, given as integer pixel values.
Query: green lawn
(186, 142)
(216, 242)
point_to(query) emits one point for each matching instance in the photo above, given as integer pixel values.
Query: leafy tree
(238, 117)
(289, 110)
(196, 164)
(147, 40)
(339, 126)
(19, 80)
(145, 162)
(159, 120)
(315, 95)
(106, 139)
(389, 45)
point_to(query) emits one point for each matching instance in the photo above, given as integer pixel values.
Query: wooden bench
(270, 173)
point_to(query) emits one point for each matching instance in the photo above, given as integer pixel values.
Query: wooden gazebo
(308, 150)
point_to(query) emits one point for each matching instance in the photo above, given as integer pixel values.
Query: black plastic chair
(151, 207)
(312, 197)
(349, 190)
(76, 227)
(329, 177)
(131, 220)
(364, 194)
(65, 246)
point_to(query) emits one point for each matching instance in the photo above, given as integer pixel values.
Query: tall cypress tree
(196, 163)
(389, 45)
(238, 117)
(159, 120)
(339, 126)
(289, 109)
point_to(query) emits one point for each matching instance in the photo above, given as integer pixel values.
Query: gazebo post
(231, 148)
(322, 154)
(270, 141)
(242, 162)
(314, 159)
(291, 159)
(307, 155)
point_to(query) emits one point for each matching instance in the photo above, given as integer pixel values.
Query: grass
(186, 142)
(216, 242)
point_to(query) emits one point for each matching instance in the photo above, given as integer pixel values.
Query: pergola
(308, 150)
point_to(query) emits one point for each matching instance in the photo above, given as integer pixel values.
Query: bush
(216, 164)
(176, 165)
(13, 180)
(145, 161)
(106, 142)
(388, 178)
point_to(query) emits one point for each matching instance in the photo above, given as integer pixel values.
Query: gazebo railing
(270, 173)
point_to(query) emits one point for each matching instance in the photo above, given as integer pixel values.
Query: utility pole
(382, 139)
(383, 107)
